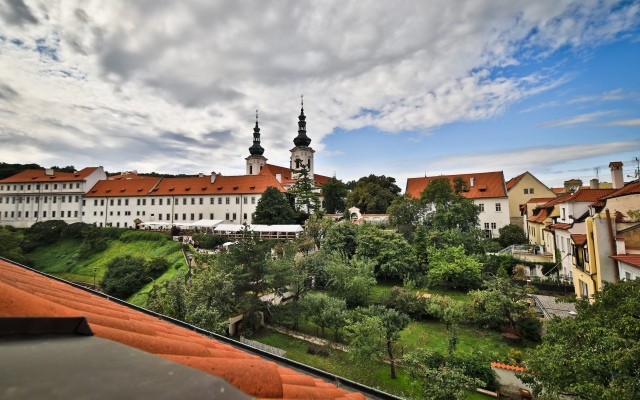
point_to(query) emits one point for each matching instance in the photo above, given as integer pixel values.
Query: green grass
(373, 374)
(59, 260)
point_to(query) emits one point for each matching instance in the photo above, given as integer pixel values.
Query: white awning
(207, 223)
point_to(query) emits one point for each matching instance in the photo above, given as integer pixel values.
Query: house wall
(624, 204)
(495, 214)
(518, 197)
(628, 272)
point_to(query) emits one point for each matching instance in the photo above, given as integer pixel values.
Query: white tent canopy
(207, 223)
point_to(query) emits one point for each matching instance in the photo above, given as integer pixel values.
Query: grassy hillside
(60, 260)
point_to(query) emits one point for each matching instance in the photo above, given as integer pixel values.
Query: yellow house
(520, 190)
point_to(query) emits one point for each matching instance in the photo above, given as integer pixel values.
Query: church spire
(302, 140)
(256, 149)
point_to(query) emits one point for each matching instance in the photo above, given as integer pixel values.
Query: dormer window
(235, 188)
(252, 187)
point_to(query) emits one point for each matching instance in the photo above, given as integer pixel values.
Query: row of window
(498, 207)
(528, 191)
(37, 186)
(143, 202)
(35, 214)
(493, 226)
(36, 199)
(168, 216)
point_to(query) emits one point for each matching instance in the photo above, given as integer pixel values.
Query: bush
(127, 274)
(134, 236)
(209, 241)
(405, 301)
(75, 231)
(42, 233)
(474, 364)
(94, 242)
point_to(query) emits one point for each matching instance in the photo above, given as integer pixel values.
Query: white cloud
(575, 120)
(173, 85)
(625, 122)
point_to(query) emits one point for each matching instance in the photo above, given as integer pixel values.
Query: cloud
(7, 93)
(624, 122)
(575, 120)
(151, 81)
(612, 95)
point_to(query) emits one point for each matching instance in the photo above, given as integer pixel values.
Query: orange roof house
(25, 293)
(521, 189)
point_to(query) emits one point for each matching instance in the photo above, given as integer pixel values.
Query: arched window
(250, 169)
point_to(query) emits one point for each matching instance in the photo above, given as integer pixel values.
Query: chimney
(572, 185)
(279, 177)
(200, 175)
(48, 172)
(594, 184)
(471, 181)
(213, 176)
(616, 174)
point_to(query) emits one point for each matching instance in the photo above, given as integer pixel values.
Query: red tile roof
(122, 188)
(626, 190)
(27, 293)
(561, 226)
(39, 175)
(579, 239)
(241, 184)
(540, 199)
(513, 181)
(631, 259)
(557, 190)
(486, 184)
(507, 366)
(588, 195)
(270, 169)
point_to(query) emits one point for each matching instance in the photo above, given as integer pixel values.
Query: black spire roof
(302, 140)
(256, 149)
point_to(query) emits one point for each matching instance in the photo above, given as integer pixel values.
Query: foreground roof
(39, 175)
(485, 184)
(24, 292)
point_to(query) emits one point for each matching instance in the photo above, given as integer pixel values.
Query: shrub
(209, 241)
(42, 233)
(127, 274)
(75, 231)
(405, 301)
(134, 236)
(94, 242)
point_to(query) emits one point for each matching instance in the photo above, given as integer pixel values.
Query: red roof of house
(122, 188)
(579, 239)
(130, 175)
(241, 184)
(39, 175)
(615, 164)
(270, 169)
(587, 195)
(27, 293)
(513, 181)
(557, 190)
(486, 184)
(540, 199)
(561, 226)
(629, 189)
(631, 259)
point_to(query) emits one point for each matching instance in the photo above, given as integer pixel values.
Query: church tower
(256, 160)
(302, 154)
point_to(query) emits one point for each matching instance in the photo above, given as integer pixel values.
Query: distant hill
(7, 170)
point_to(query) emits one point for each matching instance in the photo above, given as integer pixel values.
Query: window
(64, 185)
(35, 214)
(201, 200)
(253, 200)
(193, 217)
(153, 202)
(493, 225)
(95, 201)
(245, 215)
(530, 190)
(481, 205)
(168, 203)
(12, 214)
(21, 187)
(526, 191)
(226, 216)
(486, 225)
(219, 200)
(137, 212)
(44, 214)
(193, 200)
(211, 200)
(176, 217)
(226, 200)
(111, 202)
(26, 214)
(62, 199)
(84, 202)
(119, 202)
(143, 212)
(111, 213)
(19, 214)
(101, 201)
(184, 201)
(569, 245)
(211, 216)
(77, 186)
(627, 275)
(53, 214)
(159, 217)
(159, 202)
(184, 217)
(28, 187)
(46, 186)
(200, 216)
(54, 199)
(144, 203)
(246, 201)
(237, 201)
(95, 213)
(126, 202)
(38, 186)
(28, 198)
(138, 202)
(168, 216)
(75, 214)
(584, 289)
(118, 213)
(564, 213)
(498, 207)
(234, 216)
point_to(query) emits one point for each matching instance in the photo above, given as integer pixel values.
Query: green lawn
(373, 374)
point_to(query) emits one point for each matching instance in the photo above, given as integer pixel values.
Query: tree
(406, 214)
(316, 228)
(351, 280)
(42, 233)
(126, 274)
(512, 234)
(273, 208)
(452, 209)
(595, 355)
(334, 192)
(373, 194)
(341, 238)
(392, 255)
(451, 267)
(504, 304)
(305, 191)
(326, 311)
(376, 333)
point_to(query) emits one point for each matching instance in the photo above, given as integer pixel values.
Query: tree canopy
(373, 194)
(305, 191)
(334, 192)
(512, 234)
(595, 355)
(274, 209)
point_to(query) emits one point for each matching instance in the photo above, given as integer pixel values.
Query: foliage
(405, 301)
(7, 170)
(512, 234)
(209, 241)
(350, 280)
(133, 236)
(373, 194)
(452, 209)
(392, 255)
(334, 192)
(316, 227)
(273, 208)
(305, 191)
(42, 233)
(76, 230)
(634, 215)
(406, 214)
(442, 377)
(504, 304)
(341, 238)
(595, 355)
(127, 274)
(375, 332)
(325, 311)
(502, 264)
(10, 247)
(93, 242)
(451, 267)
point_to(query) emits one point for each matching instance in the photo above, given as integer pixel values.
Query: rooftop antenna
(597, 169)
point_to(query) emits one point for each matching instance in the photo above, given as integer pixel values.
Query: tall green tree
(350, 280)
(341, 237)
(373, 194)
(452, 267)
(273, 208)
(334, 192)
(595, 355)
(392, 255)
(407, 214)
(512, 234)
(306, 193)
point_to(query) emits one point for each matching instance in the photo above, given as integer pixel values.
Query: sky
(396, 88)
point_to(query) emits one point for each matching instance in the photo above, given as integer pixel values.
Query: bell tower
(256, 160)
(302, 154)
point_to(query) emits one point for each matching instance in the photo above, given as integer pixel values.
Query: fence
(264, 347)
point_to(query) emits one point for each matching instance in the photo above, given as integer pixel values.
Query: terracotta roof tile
(270, 169)
(24, 292)
(486, 184)
(122, 188)
(540, 199)
(626, 190)
(240, 184)
(631, 259)
(540, 216)
(513, 181)
(588, 195)
(579, 239)
(561, 226)
(38, 175)
(508, 367)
